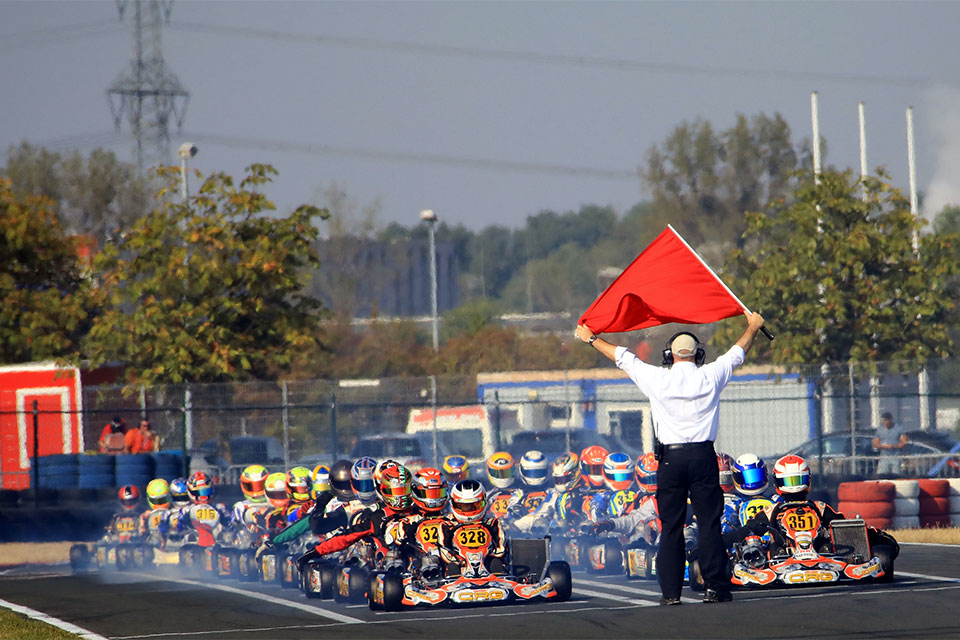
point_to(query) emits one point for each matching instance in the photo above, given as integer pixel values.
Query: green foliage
(45, 298)
(703, 181)
(95, 196)
(879, 300)
(469, 318)
(948, 220)
(209, 290)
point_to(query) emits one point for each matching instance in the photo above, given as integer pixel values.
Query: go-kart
(802, 551)
(529, 574)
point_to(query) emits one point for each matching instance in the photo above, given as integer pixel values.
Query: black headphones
(698, 356)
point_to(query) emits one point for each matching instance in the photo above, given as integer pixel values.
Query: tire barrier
(168, 465)
(954, 501)
(906, 507)
(934, 498)
(906, 522)
(96, 471)
(905, 488)
(57, 471)
(872, 501)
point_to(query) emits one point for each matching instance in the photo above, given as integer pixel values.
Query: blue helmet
(178, 492)
(750, 474)
(362, 478)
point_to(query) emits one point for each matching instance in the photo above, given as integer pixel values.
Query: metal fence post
(286, 424)
(333, 427)
(818, 418)
(36, 456)
(433, 401)
(185, 462)
(497, 439)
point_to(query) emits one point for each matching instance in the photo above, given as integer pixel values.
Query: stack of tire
(134, 468)
(906, 504)
(96, 471)
(57, 471)
(168, 465)
(934, 499)
(954, 502)
(872, 501)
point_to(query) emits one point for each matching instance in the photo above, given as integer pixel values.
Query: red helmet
(591, 465)
(429, 490)
(791, 475)
(394, 488)
(646, 472)
(725, 465)
(200, 487)
(468, 501)
(129, 497)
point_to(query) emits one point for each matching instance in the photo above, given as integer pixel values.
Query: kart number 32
(429, 534)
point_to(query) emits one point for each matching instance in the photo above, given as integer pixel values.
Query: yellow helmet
(158, 493)
(276, 489)
(299, 480)
(253, 481)
(321, 480)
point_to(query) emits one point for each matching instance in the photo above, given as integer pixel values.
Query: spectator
(223, 447)
(142, 439)
(890, 439)
(112, 438)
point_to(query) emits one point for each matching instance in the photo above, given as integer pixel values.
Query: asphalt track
(921, 602)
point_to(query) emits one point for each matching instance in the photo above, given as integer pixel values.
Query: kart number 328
(472, 537)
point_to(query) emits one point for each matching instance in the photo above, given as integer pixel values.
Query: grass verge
(19, 626)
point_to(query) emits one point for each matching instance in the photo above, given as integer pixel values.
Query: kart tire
(696, 576)
(932, 488)
(866, 492)
(614, 557)
(246, 567)
(359, 578)
(288, 567)
(867, 509)
(559, 574)
(231, 556)
(145, 557)
(79, 558)
(885, 553)
(393, 592)
(340, 574)
(933, 506)
(328, 579)
(125, 559)
(371, 590)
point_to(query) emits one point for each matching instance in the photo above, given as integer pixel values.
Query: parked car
(916, 458)
(413, 450)
(244, 451)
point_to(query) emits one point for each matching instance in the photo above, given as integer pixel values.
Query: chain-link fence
(827, 414)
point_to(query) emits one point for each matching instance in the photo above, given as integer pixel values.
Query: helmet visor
(753, 476)
(363, 486)
(799, 480)
(470, 508)
(430, 493)
(592, 469)
(501, 473)
(620, 476)
(390, 490)
(534, 474)
(252, 487)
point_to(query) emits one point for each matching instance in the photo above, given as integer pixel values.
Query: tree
(94, 196)
(948, 220)
(880, 300)
(702, 182)
(45, 298)
(209, 290)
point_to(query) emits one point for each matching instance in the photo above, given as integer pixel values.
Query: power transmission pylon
(146, 92)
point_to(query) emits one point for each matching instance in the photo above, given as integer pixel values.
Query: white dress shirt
(684, 398)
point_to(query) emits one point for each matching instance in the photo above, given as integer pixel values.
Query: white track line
(608, 596)
(317, 611)
(629, 589)
(57, 622)
(926, 577)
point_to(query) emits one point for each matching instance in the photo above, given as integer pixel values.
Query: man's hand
(583, 333)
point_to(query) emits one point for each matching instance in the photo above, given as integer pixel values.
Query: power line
(619, 64)
(421, 158)
(54, 36)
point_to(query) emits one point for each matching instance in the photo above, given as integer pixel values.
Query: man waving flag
(668, 282)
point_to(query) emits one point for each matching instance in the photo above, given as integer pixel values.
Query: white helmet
(534, 468)
(468, 501)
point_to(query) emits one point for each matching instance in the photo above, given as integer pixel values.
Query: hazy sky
(488, 112)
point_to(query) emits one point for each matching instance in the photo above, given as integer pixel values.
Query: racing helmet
(750, 474)
(382, 466)
(361, 478)
(252, 482)
(340, 480)
(468, 501)
(276, 489)
(178, 492)
(534, 467)
(129, 497)
(725, 466)
(456, 468)
(791, 475)
(158, 494)
(200, 487)
(298, 484)
(429, 490)
(566, 471)
(591, 465)
(500, 470)
(319, 480)
(646, 472)
(395, 488)
(618, 471)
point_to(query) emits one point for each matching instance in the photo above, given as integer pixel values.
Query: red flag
(668, 282)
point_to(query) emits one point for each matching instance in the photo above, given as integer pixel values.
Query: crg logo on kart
(865, 569)
(803, 577)
(531, 590)
(479, 595)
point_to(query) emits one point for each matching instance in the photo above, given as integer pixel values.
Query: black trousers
(690, 471)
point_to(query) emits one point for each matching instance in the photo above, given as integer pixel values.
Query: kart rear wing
(849, 538)
(529, 555)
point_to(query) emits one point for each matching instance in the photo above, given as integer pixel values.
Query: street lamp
(186, 150)
(427, 215)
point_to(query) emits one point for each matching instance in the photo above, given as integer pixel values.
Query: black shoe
(669, 602)
(712, 595)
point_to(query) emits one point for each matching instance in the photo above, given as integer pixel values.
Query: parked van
(473, 431)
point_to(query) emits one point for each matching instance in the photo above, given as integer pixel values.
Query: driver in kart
(791, 476)
(472, 527)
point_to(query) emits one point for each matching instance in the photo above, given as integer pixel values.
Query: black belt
(689, 445)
